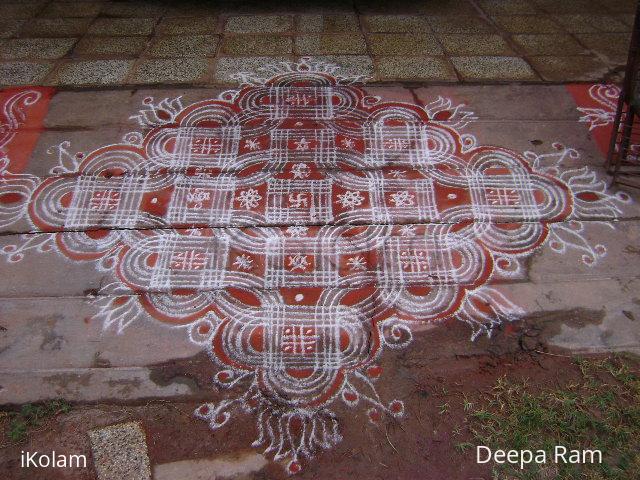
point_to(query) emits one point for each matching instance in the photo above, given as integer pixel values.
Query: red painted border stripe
(21, 146)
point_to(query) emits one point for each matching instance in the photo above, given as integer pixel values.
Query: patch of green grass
(32, 415)
(601, 411)
(467, 404)
(444, 408)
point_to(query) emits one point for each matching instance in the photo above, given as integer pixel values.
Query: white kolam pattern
(297, 227)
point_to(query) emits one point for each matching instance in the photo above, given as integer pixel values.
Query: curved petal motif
(15, 193)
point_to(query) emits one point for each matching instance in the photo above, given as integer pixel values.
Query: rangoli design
(296, 228)
(21, 118)
(597, 105)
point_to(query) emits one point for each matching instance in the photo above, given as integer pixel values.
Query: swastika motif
(297, 227)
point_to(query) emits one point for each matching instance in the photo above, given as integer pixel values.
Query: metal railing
(623, 159)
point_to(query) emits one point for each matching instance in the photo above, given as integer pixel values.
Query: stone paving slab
(205, 469)
(86, 385)
(61, 332)
(93, 72)
(517, 103)
(24, 73)
(568, 68)
(120, 452)
(492, 68)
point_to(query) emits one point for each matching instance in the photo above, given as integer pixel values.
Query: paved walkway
(98, 43)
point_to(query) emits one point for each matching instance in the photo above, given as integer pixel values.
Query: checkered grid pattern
(98, 201)
(504, 197)
(301, 102)
(418, 260)
(304, 145)
(190, 262)
(406, 144)
(320, 254)
(202, 200)
(423, 207)
(298, 201)
(205, 147)
(298, 340)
